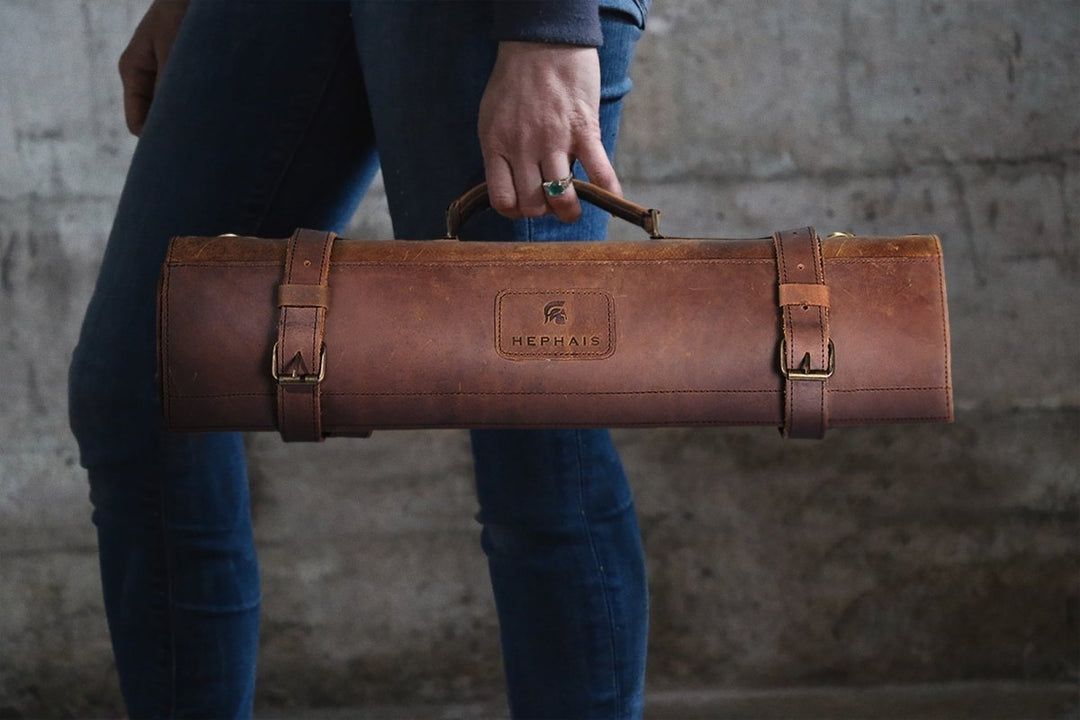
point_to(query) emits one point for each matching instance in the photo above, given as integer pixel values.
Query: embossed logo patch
(575, 324)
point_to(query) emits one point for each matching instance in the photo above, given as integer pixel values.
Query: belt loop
(807, 356)
(299, 357)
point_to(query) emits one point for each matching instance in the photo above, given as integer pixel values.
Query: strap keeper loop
(298, 295)
(804, 294)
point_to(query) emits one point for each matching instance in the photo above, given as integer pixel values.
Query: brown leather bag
(318, 336)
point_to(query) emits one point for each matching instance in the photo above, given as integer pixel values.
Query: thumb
(144, 58)
(593, 157)
(138, 74)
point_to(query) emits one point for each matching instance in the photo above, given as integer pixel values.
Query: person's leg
(259, 125)
(561, 536)
(559, 525)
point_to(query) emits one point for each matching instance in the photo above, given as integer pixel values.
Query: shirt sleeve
(570, 22)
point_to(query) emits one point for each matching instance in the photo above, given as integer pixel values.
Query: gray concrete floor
(960, 701)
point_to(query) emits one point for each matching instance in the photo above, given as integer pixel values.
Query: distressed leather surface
(440, 334)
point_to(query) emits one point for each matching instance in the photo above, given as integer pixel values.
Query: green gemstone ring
(555, 188)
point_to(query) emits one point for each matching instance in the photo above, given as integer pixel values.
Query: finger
(136, 108)
(597, 165)
(565, 205)
(138, 94)
(138, 75)
(530, 194)
(500, 182)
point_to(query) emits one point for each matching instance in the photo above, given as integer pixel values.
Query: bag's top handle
(477, 199)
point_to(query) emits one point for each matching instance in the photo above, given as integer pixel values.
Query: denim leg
(259, 125)
(564, 551)
(559, 526)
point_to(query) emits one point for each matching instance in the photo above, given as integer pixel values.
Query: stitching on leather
(282, 394)
(696, 423)
(345, 430)
(316, 350)
(472, 394)
(860, 421)
(928, 388)
(545, 263)
(539, 263)
(535, 263)
(223, 264)
(785, 329)
(823, 313)
(893, 259)
(890, 389)
(823, 327)
(819, 391)
(577, 394)
(945, 334)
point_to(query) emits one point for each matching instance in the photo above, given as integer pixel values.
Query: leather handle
(476, 199)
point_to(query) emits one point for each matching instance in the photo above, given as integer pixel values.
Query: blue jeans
(272, 116)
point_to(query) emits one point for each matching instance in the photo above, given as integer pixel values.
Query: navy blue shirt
(570, 22)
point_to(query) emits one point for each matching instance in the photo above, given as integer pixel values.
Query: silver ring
(555, 188)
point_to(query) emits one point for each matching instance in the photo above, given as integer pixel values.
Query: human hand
(540, 112)
(144, 58)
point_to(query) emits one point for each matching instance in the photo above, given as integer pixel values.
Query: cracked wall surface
(896, 554)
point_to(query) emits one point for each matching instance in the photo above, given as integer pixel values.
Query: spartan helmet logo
(555, 312)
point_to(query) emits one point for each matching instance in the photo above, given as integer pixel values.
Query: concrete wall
(916, 553)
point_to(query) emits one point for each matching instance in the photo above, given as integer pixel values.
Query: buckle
(295, 378)
(803, 371)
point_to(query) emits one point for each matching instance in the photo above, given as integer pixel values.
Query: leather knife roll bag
(317, 335)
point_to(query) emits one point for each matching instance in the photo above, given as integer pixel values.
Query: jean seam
(598, 564)
(162, 578)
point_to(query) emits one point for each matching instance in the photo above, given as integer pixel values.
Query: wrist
(514, 49)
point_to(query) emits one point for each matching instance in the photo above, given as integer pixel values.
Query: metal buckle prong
(803, 371)
(295, 378)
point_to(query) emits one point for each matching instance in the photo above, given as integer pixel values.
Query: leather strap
(299, 352)
(807, 357)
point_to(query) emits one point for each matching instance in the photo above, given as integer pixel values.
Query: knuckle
(502, 205)
(534, 210)
(569, 210)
